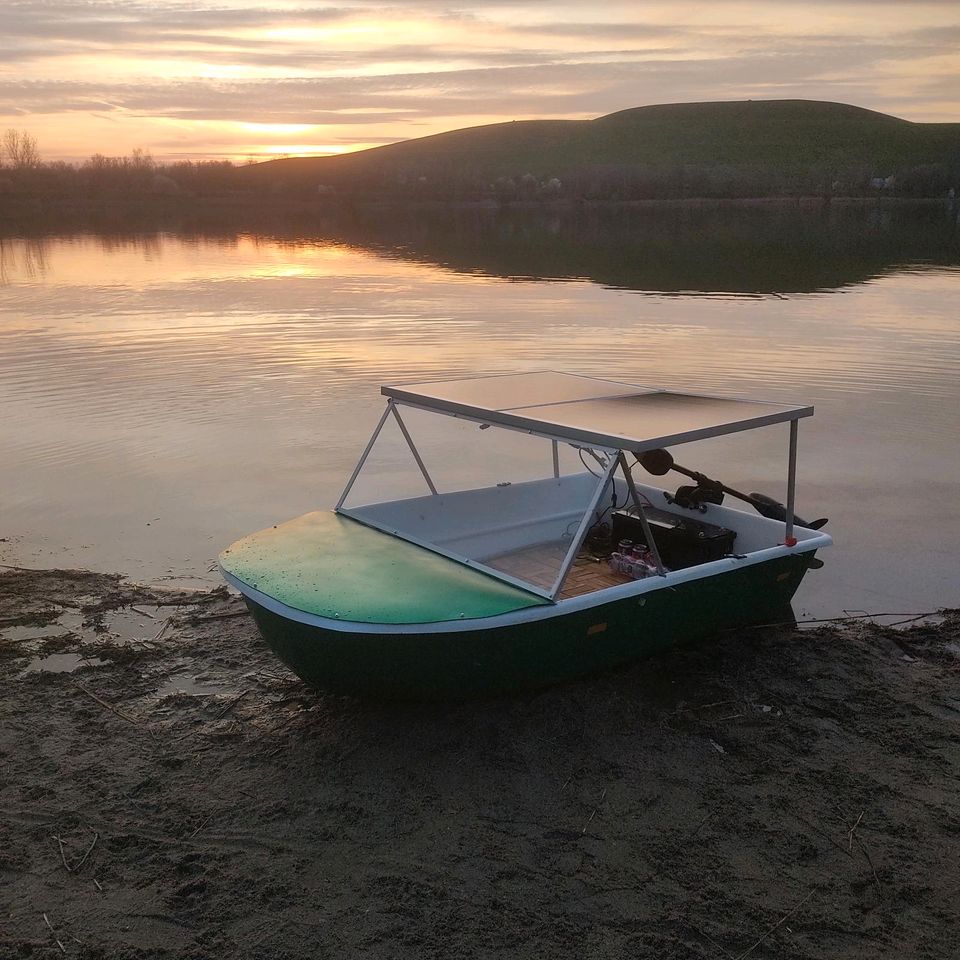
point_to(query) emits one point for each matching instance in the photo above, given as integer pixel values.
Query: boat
(498, 533)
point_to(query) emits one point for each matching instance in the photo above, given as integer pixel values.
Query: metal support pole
(363, 456)
(414, 451)
(641, 516)
(585, 524)
(791, 480)
(556, 458)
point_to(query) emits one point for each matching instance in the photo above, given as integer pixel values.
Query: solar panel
(593, 411)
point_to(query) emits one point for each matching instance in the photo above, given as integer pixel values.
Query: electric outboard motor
(777, 511)
(696, 497)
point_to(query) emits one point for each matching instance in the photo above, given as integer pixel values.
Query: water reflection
(761, 248)
(738, 249)
(166, 392)
(23, 259)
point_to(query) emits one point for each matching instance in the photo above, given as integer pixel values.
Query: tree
(19, 149)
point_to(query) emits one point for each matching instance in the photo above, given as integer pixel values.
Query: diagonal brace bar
(585, 525)
(413, 450)
(363, 457)
(641, 516)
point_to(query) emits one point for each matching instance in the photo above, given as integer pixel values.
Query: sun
(279, 128)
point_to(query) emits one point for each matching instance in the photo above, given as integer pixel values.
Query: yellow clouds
(235, 79)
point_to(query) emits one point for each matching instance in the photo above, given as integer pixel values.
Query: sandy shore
(169, 790)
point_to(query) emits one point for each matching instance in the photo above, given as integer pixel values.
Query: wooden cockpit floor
(540, 565)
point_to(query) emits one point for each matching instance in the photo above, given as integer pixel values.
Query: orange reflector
(596, 628)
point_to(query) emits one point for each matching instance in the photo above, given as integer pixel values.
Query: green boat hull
(466, 663)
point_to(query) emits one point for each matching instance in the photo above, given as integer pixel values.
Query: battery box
(682, 541)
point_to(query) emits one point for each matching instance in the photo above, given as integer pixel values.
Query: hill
(748, 148)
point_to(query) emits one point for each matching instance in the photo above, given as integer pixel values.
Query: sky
(241, 79)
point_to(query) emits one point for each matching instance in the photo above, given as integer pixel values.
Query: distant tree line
(635, 182)
(23, 174)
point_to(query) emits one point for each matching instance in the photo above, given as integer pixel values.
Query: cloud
(371, 70)
(126, 22)
(534, 89)
(51, 31)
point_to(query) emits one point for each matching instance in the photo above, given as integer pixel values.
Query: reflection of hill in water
(764, 248)
(733, 249)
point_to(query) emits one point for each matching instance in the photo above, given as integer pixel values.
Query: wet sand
(168, 789)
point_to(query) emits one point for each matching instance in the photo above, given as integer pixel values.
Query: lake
(170, 385)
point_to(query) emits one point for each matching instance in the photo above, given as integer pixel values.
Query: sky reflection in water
(164, 394)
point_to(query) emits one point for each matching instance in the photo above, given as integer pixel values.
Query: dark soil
(775, 793)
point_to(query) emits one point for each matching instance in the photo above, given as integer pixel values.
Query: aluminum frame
(615, 459)
(641, 515)
(585, 523)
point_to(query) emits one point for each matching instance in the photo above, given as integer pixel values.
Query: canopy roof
(589, 410)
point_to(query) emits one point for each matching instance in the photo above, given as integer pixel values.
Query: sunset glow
(238, 80)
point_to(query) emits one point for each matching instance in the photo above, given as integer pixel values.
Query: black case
(682, 541)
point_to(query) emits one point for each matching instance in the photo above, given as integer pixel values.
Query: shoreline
(177, 792)
(280, 206)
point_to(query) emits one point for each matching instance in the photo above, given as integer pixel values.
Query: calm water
(167, 391)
